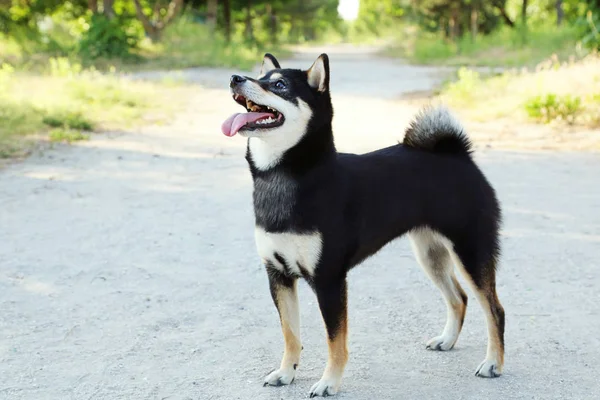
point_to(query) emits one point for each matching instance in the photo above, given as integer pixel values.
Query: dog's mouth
(257, 117)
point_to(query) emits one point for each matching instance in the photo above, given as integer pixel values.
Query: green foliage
(550, 107)
(62, 67)
(107, 38)
(589, 29)
(186, 43)
(6, 73)
(503, 47)
(68, 120)
(465, 86)
(67, 135)
(71, 99)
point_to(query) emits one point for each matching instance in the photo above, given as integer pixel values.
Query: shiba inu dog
(319, 213)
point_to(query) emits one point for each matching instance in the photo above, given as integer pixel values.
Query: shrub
(108, 38)
(67, 135)
(550, 107)
(465, 87)
(68, 119)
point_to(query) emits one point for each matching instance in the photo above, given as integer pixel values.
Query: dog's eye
(280, 85)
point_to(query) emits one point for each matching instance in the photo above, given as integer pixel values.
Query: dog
(319, 213)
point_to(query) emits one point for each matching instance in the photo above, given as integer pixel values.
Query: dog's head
(281, 102)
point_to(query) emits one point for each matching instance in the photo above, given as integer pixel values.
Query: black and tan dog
(319, 212)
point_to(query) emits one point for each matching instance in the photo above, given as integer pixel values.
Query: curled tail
(435, 129)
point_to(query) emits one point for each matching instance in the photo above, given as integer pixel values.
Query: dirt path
(128, 269)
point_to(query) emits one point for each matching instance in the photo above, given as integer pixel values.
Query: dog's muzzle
(236, 80)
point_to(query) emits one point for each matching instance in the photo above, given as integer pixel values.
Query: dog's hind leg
(333, 304)
(482, 277)
(285, 296)
(432, 254)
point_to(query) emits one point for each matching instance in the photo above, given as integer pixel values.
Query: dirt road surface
(128, 268)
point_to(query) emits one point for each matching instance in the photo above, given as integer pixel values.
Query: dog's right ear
(269, 63)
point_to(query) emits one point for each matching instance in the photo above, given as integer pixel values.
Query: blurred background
(83, 46)
(128, 267)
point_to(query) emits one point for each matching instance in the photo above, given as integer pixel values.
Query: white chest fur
(300, 251)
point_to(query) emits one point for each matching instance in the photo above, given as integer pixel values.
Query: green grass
(186, 44)
(504, 47)
(550, 93)
(551, 107)
(183, 44)
(72, 99)
(67, 135)
(68, 119)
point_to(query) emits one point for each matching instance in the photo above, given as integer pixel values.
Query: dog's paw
(280, 377)
(325, 387)
(440, 343)
(488, 369)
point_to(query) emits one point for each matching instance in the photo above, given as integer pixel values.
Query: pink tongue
(233, 124)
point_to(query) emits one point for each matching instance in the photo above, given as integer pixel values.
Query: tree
(524, 20)
(159, 18)
(107, 8)
(227, 17)
(560, 14)
(211, 14)
(501, 6)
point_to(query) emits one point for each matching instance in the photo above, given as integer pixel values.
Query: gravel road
(128, 268)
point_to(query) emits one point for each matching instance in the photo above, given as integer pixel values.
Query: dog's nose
(236, 80)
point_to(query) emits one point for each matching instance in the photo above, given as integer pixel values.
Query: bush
(68, 119)
(67, 135)
(108, 38)
(553, 107)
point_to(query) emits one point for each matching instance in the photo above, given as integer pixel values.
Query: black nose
(236, 80)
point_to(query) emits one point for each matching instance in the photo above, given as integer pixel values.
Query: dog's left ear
(318, 74)
(269, 63)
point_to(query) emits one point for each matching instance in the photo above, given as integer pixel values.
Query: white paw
(325, 387)
(488, 369)
(280, 377)
(441, 343)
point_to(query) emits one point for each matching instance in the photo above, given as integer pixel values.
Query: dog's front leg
(333, 304)
(285, 296)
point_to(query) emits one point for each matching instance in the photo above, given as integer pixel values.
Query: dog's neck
(276, 152)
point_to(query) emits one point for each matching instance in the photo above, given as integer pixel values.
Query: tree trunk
(211, 14)
(524, 20)
(504, 15)
(474, 17)
(249, 34)
(272, 23)
(560, 14)
(93, 6)
(453, 24)
(107, 8)
(451, 27)
(227, 12)
(150, 29)
(153, 29)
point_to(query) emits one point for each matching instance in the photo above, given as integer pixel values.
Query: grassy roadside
(554, 93)
(64, 98)
(504, 47)
(68, 102)
(184, 44)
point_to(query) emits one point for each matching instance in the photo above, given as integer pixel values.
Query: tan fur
(488, 298)
(287, 304)
(338, 352)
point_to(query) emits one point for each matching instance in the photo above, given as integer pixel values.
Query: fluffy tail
(435, 129)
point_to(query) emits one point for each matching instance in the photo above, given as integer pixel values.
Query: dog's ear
(269, 63)
(318, 74)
